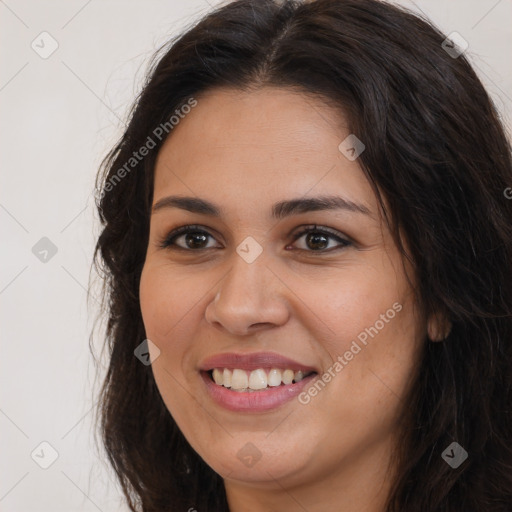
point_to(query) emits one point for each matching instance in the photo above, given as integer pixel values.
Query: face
(269, 289)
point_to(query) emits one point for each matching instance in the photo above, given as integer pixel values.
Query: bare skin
(244, 152)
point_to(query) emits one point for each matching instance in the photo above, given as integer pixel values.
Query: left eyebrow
(279, 210)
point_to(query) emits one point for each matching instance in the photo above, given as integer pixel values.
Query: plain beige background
(59, 116)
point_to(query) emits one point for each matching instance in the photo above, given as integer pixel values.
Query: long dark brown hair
(436, 154)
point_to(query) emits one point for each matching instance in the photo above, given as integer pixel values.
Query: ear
(438, 327)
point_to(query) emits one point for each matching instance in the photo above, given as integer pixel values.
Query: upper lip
(253, 361)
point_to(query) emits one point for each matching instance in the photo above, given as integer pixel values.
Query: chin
(252, 464)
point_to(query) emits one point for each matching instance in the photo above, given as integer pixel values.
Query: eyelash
(168, 241)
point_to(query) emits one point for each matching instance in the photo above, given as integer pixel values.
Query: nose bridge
(247, 277)
(248, 294)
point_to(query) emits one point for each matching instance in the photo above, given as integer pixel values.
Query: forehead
(268, 143)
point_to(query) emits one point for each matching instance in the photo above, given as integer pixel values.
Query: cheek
(342, 305)
(170, 303)
(366, 317)
(167, 305)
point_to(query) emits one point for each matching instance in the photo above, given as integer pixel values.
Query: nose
(249, 298)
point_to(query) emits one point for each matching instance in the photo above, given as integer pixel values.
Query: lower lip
(257, 401)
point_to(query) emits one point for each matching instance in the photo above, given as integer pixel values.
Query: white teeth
(258, 379)
(288, 376)
(227, 378)
(298, 376)
(274, 377)
(217, 377)
(239, 379)
(242, 380)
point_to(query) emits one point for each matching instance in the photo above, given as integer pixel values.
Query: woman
(307, 251)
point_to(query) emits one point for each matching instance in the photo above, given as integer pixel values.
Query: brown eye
(194, 239)
(317, 240)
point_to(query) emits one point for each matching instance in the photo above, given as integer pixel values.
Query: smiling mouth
(261, 379)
